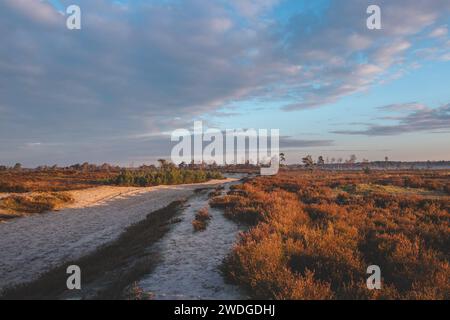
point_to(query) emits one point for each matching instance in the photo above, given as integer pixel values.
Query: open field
(25, 192)
(313, 234)
(13, 181)
(34, 180)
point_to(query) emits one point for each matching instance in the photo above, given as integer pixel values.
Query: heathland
(312, 234)
(29, 191)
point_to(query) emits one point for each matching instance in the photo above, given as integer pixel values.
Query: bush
(36, 203)
(312, 242)
(14, 188)
(447, 188)
(166, 176)
(201, 220)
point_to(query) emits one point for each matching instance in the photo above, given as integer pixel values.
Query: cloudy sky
(112, 91)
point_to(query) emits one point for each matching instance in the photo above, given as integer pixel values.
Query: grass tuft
(36, 203)
(201, 220)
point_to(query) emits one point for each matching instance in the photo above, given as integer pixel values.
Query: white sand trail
(32, 245)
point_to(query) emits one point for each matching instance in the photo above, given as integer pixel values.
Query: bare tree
(308, 161)
(162, 163)
(282, 157)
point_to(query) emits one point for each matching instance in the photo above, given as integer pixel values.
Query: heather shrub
(35, 203)
(313, 237)
(201, 220)
(12, 187)
(447, 188)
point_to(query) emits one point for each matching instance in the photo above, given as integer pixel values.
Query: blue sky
(140, 69)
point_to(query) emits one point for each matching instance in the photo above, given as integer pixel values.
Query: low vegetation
(44, 189)
(164, 176)
(35, 203)
(13, 181)
(314, 234)
(87, 176)
(201, 220)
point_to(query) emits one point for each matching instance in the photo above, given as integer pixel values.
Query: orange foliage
(313, 235)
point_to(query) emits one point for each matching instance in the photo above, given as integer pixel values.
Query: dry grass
(39, 190)
(312, 240)
(50, 180)
(201, 220)
(35, 203)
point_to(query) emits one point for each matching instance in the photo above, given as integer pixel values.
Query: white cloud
(419, 118)
(36, 10)
(253, 8)
(147, 68)
(439, 32)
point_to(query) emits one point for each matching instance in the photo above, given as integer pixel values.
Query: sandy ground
(35, 244)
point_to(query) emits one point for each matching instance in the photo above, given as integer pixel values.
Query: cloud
(38, 11)
(332, 52)
(421, 118)
(292, 143)
(142, 67)
(253, 8)
(439, 32)
(401, 107)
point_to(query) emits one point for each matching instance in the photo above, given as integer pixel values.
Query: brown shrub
(202, 215)
(201, 219)
(447, 188)
(37, 203)
(51, 180)
(310, 241)
(13, 187)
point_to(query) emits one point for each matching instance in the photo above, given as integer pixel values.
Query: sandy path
(32, 245)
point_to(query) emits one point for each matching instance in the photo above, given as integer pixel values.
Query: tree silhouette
(320, 161)
(308, 161)
(162, 163)
(282, 157)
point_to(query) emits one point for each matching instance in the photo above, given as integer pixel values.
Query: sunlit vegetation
(313, 235)
(25, 191)
(171, 176)
(201, 220)
(81, 176)
(51, 180)
(35, 203)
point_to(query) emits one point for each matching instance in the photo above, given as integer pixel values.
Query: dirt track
(32, 245)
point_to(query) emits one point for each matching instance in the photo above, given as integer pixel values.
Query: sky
(137, 70)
